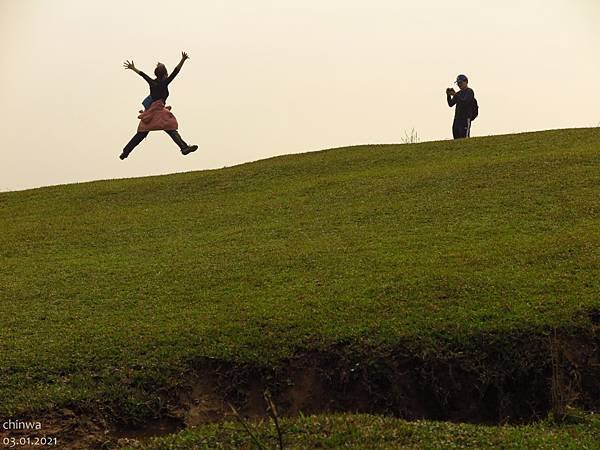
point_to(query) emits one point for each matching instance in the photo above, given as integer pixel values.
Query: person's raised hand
(129, 65)
(184, 56)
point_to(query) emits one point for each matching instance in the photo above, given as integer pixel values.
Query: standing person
(157, 116)
(466, 107)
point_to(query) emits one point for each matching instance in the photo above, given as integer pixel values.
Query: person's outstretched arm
(184, 56)
(131, 66)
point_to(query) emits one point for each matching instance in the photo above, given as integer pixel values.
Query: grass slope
(367, 432)
(111, 286)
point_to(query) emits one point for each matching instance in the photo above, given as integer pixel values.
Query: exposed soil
(493, 383)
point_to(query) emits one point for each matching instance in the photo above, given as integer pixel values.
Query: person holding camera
(466, 107)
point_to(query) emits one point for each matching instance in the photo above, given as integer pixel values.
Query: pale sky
(268, 78)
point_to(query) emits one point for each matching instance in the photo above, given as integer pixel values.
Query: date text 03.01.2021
(15, 442)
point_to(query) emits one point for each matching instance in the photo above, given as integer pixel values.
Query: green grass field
(112, 291)
(367, 432)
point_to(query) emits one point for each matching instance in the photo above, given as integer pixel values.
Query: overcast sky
(268, 78)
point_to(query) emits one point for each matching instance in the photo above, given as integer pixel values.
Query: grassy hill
(363, 262)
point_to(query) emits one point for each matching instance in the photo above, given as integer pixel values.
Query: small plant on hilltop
(412, 138)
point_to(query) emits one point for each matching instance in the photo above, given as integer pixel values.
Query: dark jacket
(159, 88)
(464, 104)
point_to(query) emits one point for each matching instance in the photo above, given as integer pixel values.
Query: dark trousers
(461, 128)
(140, 135)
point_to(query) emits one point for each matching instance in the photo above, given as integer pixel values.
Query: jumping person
(156, 115)
(466, 107)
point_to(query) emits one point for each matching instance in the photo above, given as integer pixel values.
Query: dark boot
(190, 149)
(185, 149)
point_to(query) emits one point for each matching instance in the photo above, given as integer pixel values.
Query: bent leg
(135, 140)
(177, 138)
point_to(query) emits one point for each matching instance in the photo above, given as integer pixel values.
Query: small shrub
(412, 138)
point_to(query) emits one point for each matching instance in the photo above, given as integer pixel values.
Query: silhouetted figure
(156, 115)
(466, 107)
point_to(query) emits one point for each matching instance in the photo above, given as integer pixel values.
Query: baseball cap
(461, 77)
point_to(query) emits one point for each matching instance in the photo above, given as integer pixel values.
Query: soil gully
(498, 381)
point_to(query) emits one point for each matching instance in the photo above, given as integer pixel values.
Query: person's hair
(160, 71)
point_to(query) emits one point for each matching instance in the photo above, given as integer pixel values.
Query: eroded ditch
(507, 380)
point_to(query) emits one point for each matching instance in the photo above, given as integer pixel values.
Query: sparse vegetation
(412, 138)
